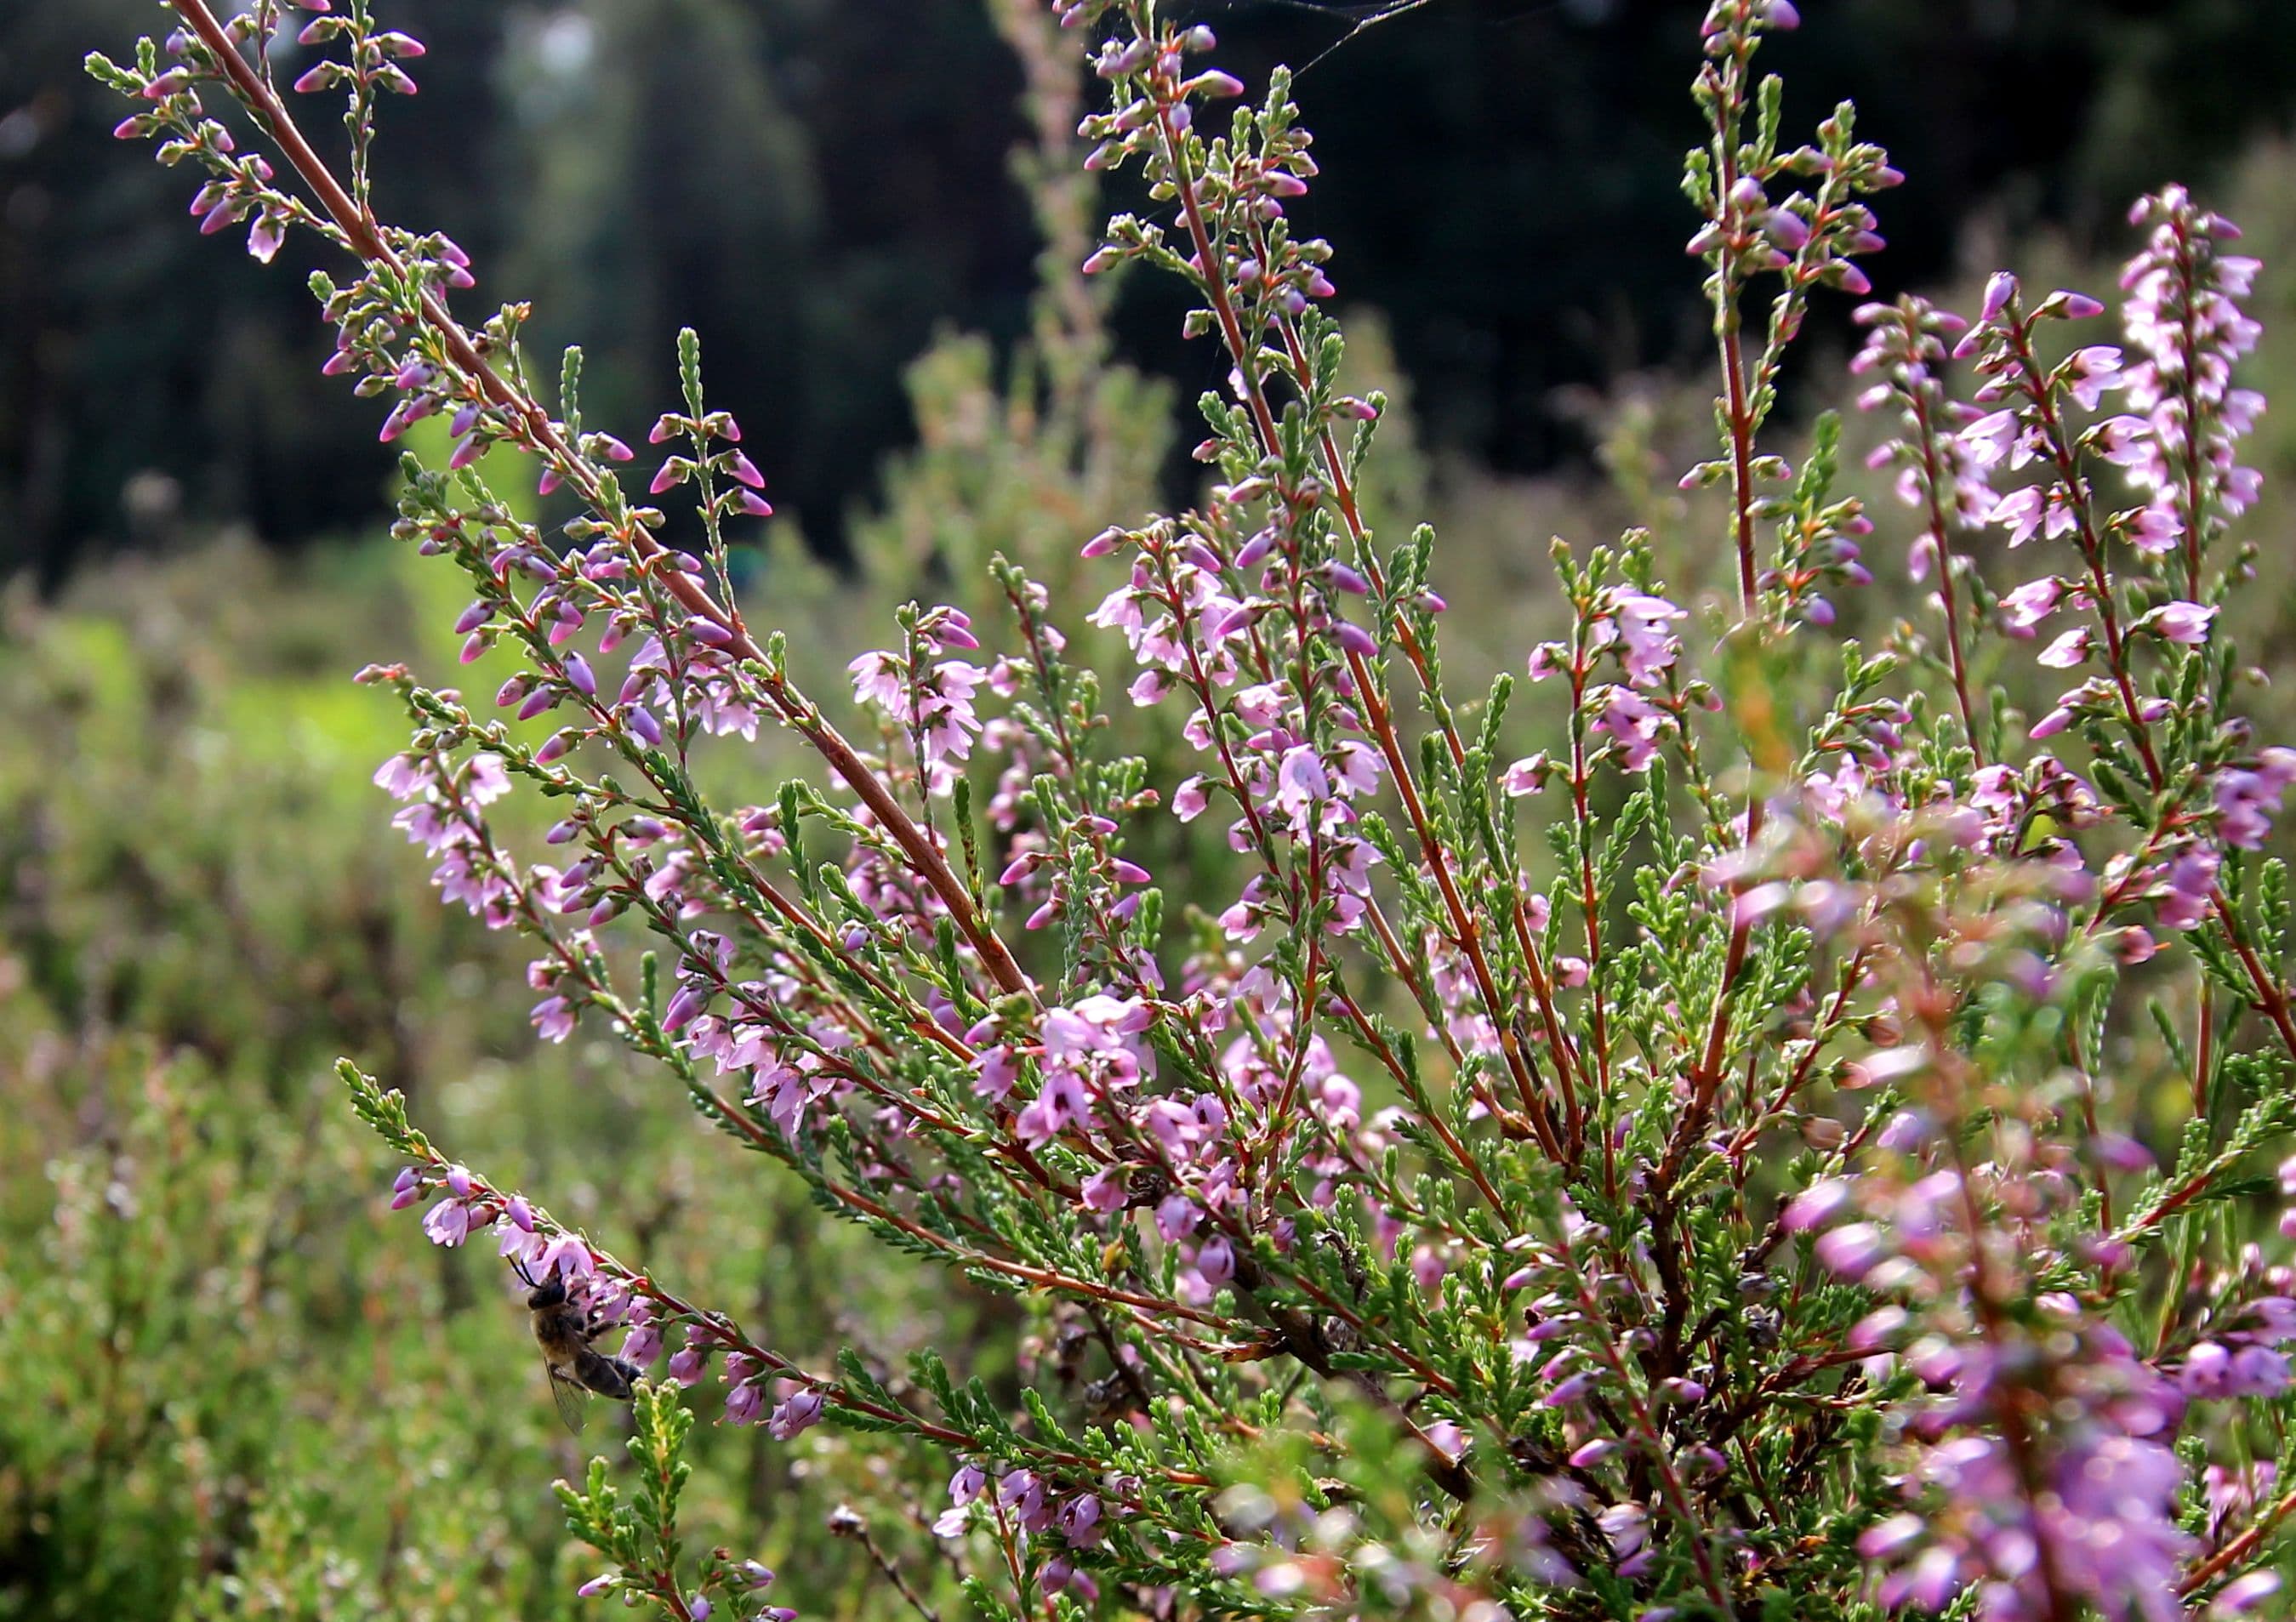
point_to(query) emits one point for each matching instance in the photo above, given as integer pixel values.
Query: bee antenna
(519, 1263)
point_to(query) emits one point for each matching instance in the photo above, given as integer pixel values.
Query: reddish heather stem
(1733, 360)
(1932, 477)
(2239, 1549)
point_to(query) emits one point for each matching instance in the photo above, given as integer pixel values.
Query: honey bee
(564, 1330)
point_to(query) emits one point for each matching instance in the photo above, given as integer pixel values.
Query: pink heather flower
(2092, 371)
(448, 1223)
(1300, 783)
(2066, 651)
(2182, 622)
(1749, 907)
(1526, 776)
(1851, 1252)
(2001, 436)
(489, 779)
(2042, 507)
(2187, 890)
(266, 235)
(1816, 1204)
(402, 776)
(1999, 288)
(1632, 723)
(876, 680)
(2215, 1371)
(2244, 1595)
(966, 1484)
(568, 1256)
(1650, 646)
(744, 1403)
(1568, 1390)
(797, 1414)
(2024, 609)
(1081, 1521)
(994, 1071)
(2247, 798)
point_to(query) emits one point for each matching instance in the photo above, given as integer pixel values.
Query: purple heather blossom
(2182, 622)
(1632, 723)
(2024, 609)
(798, 1412)
(2068, 650)
(2247, 797)
(2244, 1595)
(1650, 647)
(448, 1221)
(745, 1399)
(2216, 1372)
(1525, 777)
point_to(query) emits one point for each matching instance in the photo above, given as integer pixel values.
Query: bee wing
(573, 1401)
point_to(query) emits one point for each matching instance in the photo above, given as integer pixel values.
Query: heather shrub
(1730, 1119)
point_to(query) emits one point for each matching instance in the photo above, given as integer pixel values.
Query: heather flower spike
(1690, 1144)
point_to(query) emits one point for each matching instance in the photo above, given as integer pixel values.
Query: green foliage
(236, 1390)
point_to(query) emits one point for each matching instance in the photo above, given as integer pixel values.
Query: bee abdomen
(607, 1376)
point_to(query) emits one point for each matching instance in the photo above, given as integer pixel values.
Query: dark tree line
(820, 184)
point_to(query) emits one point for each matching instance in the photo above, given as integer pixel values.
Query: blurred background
(236, 1388)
